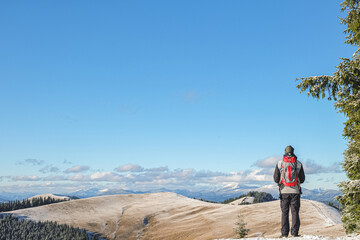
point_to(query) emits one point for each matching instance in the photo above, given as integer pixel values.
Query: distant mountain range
(9, 196)
(321, 195)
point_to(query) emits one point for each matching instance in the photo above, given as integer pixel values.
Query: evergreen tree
(240, 227)
(12, 228)
(26, 203)
(344, 88)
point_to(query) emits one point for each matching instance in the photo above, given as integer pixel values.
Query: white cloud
(129, 168)
(136, 177)
(76, 169)
(269, 162)
(106, 176)
(25, 178)
(54, 178)
(311, 167)
(157, 169)
(258, 175)
(254, 176)
(78, 177)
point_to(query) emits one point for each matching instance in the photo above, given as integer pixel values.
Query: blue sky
(97, 93)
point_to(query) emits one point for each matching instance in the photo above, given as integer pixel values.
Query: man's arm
(302, 174)
(277, 175)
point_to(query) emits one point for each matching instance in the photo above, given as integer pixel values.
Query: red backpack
(289, 176)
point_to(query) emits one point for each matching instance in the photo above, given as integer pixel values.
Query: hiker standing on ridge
(289, 174)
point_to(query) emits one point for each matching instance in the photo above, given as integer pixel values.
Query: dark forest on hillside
(12, 228)
(26, 203)
(258, 197)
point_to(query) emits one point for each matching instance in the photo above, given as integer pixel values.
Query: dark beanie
(289, 149)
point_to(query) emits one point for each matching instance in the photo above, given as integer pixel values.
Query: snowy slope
(172, 216)
(305, 237)
(243, 200)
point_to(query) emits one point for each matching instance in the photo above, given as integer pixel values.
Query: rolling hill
(172, 216)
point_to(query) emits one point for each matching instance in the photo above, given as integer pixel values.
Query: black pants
(290, 201)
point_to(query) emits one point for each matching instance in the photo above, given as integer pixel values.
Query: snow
(305, 237)
(242, 200)
(329, 214)
(331, 217)
(51, 196)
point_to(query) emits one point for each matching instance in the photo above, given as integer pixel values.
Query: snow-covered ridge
(248, 200)
(44, 196)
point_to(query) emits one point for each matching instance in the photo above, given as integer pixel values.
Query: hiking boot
(296, 235)
(283, 236)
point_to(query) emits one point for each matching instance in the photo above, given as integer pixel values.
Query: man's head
(289, 150)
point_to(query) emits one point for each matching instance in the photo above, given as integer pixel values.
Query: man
(289, 174)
